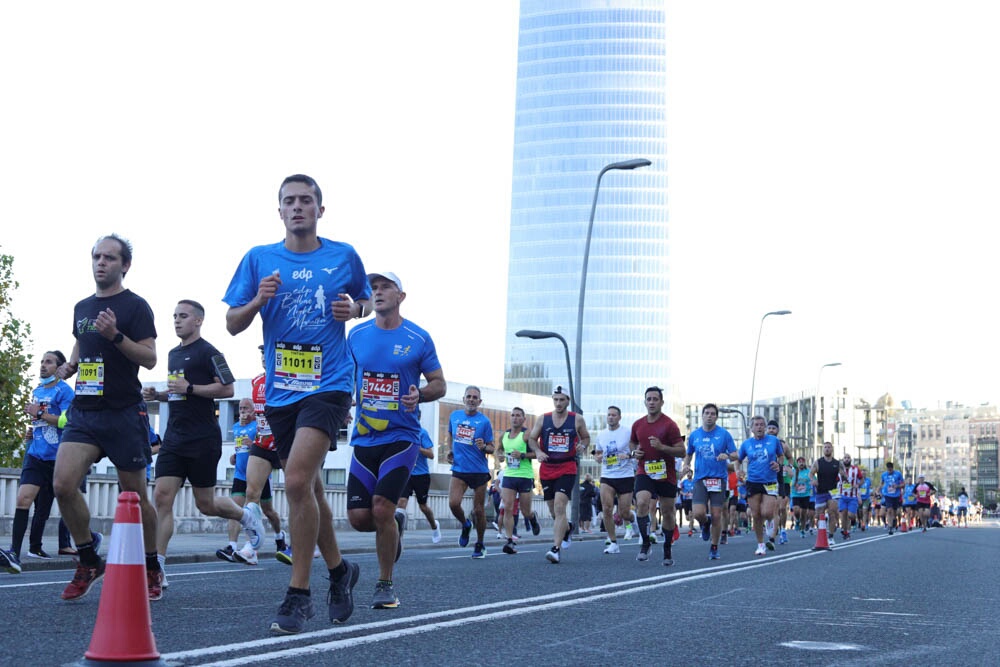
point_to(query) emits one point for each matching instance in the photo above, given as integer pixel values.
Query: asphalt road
(873, 600)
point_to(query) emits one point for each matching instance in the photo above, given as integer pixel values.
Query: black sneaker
(39, 553)
(227, 554)
(340, 598)
(509, 548)
(385, 596)
(293, 613)
(10, 562)
(535, 528)
(400, 517)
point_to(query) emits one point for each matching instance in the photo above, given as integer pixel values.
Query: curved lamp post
(753, 381)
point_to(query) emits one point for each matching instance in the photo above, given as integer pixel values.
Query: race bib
(176, 376)
(559, 443)
(466, 434)
(242, 444)
(379, 391)
(890, 488)
(713, 484)
(513, 462)
(771, 489)
(297, 367)
(611, 459)
(90, 378)
(656, 469)
(800, 488)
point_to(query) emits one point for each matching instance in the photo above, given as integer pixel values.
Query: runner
(390, 355)
(827, 473)
(471, 436)
(784, 484)
(910, 504)
(847, 504)
(710, 448)
(865, 496)
(192, 443)
(305, 288)
(802, 506)
(762, 450)
(518, 480)
(963, 508)
(892, 487)
(617, 474)
(557, 439)
(925, 492)
(655, 441)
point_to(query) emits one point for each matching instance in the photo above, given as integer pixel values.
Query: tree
(15, 384)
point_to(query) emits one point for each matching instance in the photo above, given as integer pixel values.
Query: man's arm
(533, 436)
(238, 318)
(583, 435)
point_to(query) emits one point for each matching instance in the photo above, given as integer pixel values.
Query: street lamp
(534, 334)
(734, 411)
(626, 165)
(760, 331)
(816, 409)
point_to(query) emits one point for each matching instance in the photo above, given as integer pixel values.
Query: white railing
(102, 498)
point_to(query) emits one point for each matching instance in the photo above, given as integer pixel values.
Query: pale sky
(839, 160)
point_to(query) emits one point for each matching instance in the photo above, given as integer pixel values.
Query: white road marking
(822, 646)
(251, 650)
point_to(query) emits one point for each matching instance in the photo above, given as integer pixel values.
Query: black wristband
(420, 396)
(190, 390)
(119, 337)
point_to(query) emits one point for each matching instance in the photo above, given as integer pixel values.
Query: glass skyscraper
(591, 90)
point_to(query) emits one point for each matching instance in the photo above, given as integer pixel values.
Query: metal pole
(760, 330)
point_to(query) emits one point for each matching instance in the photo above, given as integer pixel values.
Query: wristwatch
(41, 411)
(190, 390)
(119, 337)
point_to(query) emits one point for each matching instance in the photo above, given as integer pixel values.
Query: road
(873, 600)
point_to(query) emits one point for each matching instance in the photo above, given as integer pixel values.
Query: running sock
(87, 554)
(555, 550)
(340, 570)
(234, 546)
(154, 562)
(20, 526)
(643, 522)
(298, 591)
(385, 581)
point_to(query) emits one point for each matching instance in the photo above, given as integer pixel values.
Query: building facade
(591, 91)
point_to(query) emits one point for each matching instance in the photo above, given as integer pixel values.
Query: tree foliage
(15, 383)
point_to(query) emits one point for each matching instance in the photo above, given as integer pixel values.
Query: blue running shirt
(706, 447)
(464, 430)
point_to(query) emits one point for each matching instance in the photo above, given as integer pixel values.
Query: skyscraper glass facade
(591, 90)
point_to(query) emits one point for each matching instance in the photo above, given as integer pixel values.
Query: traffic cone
(123, 633)
(677, 533)
(904, 525)
(822, 541)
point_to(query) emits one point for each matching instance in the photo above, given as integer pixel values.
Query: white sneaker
(253, 525)
(612, 548)
(163, 568)
(552, 557)
(628, 534)
(247, 555)
(436, 533)
(761, 550)
(316, 553)
(501, 536)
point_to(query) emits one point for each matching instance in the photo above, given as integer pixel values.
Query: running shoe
(400, 517)
(769, 544)
(667, 562)
(802, 534)
(385, 596)
(253, 525)
(293, 613)
(509, 548)
(501, 536)
(154, 584)
(535, 527)
(98, 540)
(761, 550)
(690, 532)
(844, 534)
(284, 555)
(607, 541)
(643, 554)
(652, 538)
(713, 553)
(247, 555)
(436, 532)
(891, 531)
(724, 539)
(340, 597)
(463, 539)
(706, 532)
(67, 551)
(612, 548)
(83, 579)
(10, 562)
(39, 553)
(567, 540)
(493, 524)
(552, 556)
(783, 537)
(830, 539)
(479, 551)
(628, 533)
(226, 554)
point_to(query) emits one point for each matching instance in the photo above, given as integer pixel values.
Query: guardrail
(102, 498)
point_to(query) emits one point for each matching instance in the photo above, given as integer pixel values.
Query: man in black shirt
(192, 444)
(115, 335)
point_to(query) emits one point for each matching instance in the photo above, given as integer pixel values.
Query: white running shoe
(436, 533)
(552, 557)
(247, 555)
(761, 550)
(253, 524)
(628, 533)
(612, 548)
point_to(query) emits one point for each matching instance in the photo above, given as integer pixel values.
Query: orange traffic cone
(677, 533)
(822, 541)
(904, 525)
(123, 632)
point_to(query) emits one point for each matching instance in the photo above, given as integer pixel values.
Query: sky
(838, 160)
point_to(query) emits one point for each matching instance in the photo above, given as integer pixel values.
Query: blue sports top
(464, 429)
(706, 447)
(761, 453)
